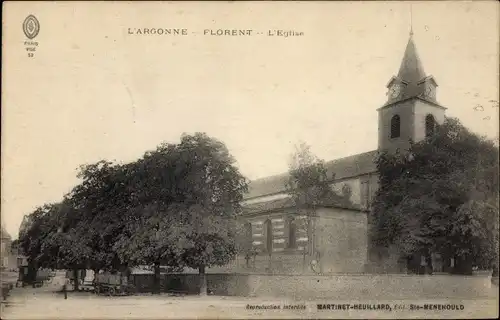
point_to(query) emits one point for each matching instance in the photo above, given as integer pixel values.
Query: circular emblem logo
(31, 26)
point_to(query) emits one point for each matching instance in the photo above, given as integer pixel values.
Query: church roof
(268, 205)
(285, 203)
(411, 69)
(343, 168)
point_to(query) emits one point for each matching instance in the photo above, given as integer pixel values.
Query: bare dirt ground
(46, 303)
(40, 303)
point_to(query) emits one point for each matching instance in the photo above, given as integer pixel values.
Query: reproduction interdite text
(360, 306)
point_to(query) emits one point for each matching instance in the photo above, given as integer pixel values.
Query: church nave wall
(341, 239)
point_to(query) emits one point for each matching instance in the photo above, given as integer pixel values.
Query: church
(335, 239)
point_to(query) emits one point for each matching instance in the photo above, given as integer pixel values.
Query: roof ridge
(352, 156)
(284, 174)
(346, 167)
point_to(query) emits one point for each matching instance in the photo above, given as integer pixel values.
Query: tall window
(430, 124)
(292, 233)
(395, 127)
(269, 235)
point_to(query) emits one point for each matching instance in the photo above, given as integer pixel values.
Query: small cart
(112, 284)
(42, 276)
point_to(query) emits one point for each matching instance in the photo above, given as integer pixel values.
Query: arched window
(292, 233)
(395, 127)
(269, 235)
(430, 124)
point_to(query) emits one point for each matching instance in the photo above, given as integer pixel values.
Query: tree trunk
(270, 264)
(312, 234)
(304, 260)
(320, 262)
(75, 278)
(203, 281)
(31, 273)
(96, 272)
(156, 280)
(430, 264)
(307, 247)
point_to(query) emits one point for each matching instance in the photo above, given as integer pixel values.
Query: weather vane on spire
(411, 20)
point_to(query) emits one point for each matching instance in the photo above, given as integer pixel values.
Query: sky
(92, 91)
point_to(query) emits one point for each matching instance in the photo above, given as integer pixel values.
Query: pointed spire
(411, 21)
(411, 70)
(411, 81)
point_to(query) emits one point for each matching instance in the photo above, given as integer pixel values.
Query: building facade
(5, 253)
(334, 239)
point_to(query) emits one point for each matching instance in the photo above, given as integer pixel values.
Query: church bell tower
(411, 111)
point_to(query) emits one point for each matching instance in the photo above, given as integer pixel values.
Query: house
(5, 250)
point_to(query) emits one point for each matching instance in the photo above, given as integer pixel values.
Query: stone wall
(277, 233)
(341, 238)
(385, 260)
(223, 284)
(369, 286)
(340, 287)
(339, 243)
(292, 262)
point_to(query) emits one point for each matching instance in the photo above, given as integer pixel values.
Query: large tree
(46, 243)
(441, 196)
(213, 189)
(189, 194)
(80, 231)
(101, 205)
(153, 237)
(176, 205)
(35, 230)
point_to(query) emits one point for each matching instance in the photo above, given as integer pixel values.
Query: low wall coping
(334, 275)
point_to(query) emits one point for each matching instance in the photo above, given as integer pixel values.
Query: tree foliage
(441, 196)
(189, 195)
(308, 182)
(174, 206)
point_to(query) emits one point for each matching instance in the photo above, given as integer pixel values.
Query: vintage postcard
(250, 160)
